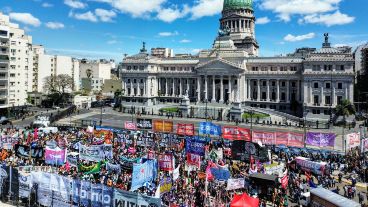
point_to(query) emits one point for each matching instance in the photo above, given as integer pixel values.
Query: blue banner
(107, 196)
(96, 195)
(85, 194)
(220, 174)
(208, 128)
(143, 173)
(195, 145)
(75, 191)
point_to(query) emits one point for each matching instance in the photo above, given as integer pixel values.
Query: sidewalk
(348, 181)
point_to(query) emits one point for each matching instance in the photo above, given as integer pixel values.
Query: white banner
(176, 173)
(233, 184)
(353, 140)
(24, 185)
(364, 145)
(274, 169)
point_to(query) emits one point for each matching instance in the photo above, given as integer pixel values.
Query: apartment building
(16, 64)
(94, 73)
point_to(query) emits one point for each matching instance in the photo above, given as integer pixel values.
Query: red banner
(185, 129)
(163, 126)
(282, 138)
(165, 162)
(194, 160)
(263, 137)
(296, 140)
(284, 181)
(235, 133)
(130, 125)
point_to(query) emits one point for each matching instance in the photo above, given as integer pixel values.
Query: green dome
(237, 4)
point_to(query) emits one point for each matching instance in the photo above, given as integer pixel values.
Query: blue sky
(110, 28)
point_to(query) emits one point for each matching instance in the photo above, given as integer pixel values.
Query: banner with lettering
(296, 140)
(282, 138)
(321, 139)
(208, 128)
(165, 185)
(55, 156)
(144, 123)
(85, 193)
(125, 198)
(23, 151)
(267, 138)
(24, 185)
(96, 195)
(130, 125)
(236, 133)
(195, 145)
(353, 140)
(76, 192)
(364, 145)
(185, 129)
(60, 187)
(235, 183)
(163, 126)
(165, 162)
(194, 160)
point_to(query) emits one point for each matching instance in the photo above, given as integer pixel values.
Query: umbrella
(244, 200)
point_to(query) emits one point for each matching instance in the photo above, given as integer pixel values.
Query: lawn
(255, 116)
(169, 110)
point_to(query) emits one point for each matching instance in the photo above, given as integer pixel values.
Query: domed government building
(230, 78)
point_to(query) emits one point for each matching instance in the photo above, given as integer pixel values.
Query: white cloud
(75, 4)
(87, 16)
(204, 8)
(286, 8)
(263, 20)
(336, 18)
(136, 8)
(171, 14)
(105, 15)
(25, 18)
(112, 42)
(55, 25)
(168, 34)
(185, 41)
(292, 38)
(47, 5)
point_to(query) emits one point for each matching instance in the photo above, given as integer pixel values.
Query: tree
(56, 87)
(64, 82)
(344, 109)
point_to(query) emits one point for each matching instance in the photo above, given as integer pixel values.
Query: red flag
(284, 181)
(308, 175)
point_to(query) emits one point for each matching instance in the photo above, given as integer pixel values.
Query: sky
(96, 29)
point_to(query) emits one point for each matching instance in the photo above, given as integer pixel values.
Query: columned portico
(221, 89)
(205, 88)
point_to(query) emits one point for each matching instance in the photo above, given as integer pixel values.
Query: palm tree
(344, 109)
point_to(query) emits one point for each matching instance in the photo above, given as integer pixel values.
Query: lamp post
(305, 112)
(251, 113)
(206, 112)
(101, 103)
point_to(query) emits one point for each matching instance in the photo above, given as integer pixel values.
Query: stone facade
(231, 71)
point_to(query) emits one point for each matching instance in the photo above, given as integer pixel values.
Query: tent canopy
(244, 200)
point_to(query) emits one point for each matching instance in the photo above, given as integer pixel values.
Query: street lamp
(101, 103)
(251, 113)
(305, 112)
(206, 112)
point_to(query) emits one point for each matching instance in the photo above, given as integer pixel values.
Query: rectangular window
(264, 83)
(342, 67)
(328, 100)
(339, 85)
(283, 83)
(339, 99)
(315, 85)
(254, 68)
(316, 100)
(264, 96)
(328, 85)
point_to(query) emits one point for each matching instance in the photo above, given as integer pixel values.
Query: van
(48, 130)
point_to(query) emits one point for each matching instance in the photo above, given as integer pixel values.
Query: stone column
(333, 95)
(166, 87)
(310, 92)
(268, 90)
(258, 90)
(205, 88)
(351, 91)
(138, 88)
(173, 85)
(277, 91)
(187, 86)
(287, 91)
(240, 27)
(181, 87)
(230, 92)
(213, 89)
(145, 87)
(131, 88)
(346, 90)
(221, 89)
(238, 93)
(248, 88)
(297, 98)
(199, 89)
(322, 96)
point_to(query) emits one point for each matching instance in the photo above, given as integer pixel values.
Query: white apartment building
(162, 52)
(15, 64)
(46, 65)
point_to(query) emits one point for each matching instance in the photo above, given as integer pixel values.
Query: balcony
(4, 44)
(4, 58)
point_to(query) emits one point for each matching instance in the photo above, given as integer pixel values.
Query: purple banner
(55, 156)
(320, 139)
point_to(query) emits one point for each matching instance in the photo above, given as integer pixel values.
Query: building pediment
(218, 66)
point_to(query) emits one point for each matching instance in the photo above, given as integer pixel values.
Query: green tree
(344, 109)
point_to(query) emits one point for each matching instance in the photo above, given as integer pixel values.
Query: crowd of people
(195, 185)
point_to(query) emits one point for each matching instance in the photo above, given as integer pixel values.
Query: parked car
(4, 121)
